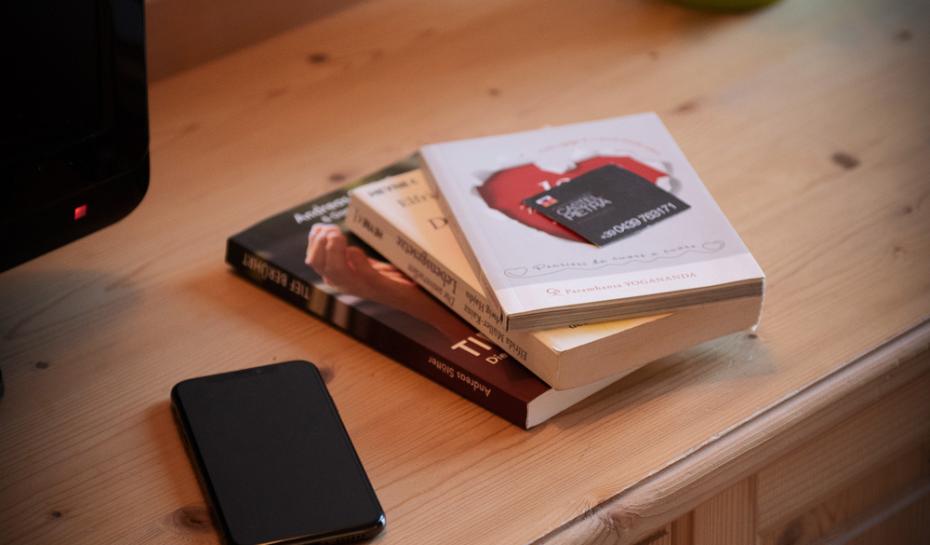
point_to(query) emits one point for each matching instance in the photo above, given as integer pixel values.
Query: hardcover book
(384, 309)
(400, 217)
(588, 222)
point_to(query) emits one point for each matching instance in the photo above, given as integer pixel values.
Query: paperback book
(418, 332)
(401, 219)
(588, 222)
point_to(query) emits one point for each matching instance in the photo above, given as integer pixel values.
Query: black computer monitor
(73, 120)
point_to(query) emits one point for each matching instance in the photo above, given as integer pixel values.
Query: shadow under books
(731, 358)
(735, 357)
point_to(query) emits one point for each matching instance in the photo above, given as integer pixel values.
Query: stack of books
(525, 271)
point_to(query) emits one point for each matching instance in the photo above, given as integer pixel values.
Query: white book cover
(535, 266)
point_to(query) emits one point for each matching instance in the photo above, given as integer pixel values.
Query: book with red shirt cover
(541, 274)
(506, 189)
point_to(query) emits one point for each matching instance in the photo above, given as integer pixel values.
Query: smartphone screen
(274, 458)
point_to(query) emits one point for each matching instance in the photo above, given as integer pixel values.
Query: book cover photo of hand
(348, 269)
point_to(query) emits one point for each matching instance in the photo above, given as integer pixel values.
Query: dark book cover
(421, 334)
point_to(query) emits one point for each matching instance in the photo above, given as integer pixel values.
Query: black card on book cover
(607, 204)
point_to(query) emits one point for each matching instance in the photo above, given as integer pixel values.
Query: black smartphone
(274, 458)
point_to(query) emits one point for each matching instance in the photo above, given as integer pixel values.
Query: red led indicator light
(80, 212)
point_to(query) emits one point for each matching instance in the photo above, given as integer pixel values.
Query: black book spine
(374, 333)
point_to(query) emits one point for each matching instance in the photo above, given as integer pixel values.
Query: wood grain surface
(181, 34)
(808, 121)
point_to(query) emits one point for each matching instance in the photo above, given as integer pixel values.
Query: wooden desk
(808, 121)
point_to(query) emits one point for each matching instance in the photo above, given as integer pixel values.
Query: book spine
(445, 285)
(459, 233)
(376, 334)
